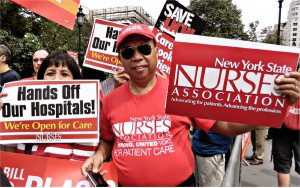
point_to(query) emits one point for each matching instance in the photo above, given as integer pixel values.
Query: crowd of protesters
(142, 92)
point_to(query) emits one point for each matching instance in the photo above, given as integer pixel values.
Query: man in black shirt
(6, 74)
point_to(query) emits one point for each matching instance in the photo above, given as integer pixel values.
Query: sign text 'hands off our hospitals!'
(50, 112)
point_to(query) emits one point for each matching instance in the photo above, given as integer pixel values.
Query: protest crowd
(132, 132)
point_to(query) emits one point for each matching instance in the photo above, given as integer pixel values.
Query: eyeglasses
(38, 59)
(143, 49)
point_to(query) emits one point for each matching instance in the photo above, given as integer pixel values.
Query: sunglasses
(143, 49)
(38, 59)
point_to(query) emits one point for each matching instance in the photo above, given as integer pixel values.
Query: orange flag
(62, 12)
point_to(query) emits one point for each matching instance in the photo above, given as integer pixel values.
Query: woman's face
(58, 73)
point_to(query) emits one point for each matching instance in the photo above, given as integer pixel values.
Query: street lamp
(80, 22)
(279, 20)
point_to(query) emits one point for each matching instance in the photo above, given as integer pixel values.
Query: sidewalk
(264, 175)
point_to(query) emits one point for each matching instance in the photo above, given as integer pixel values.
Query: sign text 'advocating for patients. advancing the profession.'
(229, 80)
(50, 111)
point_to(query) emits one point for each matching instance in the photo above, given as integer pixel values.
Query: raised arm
(231, 129)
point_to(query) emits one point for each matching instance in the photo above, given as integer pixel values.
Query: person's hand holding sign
(1, 103)
(120, 78)
(289, 85)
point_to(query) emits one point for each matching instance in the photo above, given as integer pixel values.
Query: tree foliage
(265, 35)
(270, 36)
(16, 19)
(223, 19)
(58, 38)
(252, 32)
(24, 32)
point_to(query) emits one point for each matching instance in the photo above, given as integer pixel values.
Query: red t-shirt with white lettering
(292, 120)
(151, 148)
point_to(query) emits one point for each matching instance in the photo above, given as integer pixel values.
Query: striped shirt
(74, 151)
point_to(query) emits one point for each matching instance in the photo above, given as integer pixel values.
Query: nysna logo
(185, 76)
(199, 77)
(222, 79)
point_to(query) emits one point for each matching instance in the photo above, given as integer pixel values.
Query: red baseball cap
(134, 29)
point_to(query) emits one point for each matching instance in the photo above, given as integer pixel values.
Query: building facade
(291, 31)
(124, 15)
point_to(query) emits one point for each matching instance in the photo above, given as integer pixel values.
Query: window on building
(295, 24)
(294, 39)
(294, 34)
(294, 29)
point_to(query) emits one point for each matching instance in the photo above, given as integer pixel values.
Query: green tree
(23, 54)
(22, 49)
(55, 37)
(24, 32)
(252, 32)
(223, 19)
(17, 20)
(265, 35)
(270, 35)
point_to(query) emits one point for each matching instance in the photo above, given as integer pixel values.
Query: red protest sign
(40, 171)
(101, 52)
(229, 80)
(174, 18)
(62, 12)
(50, 112)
